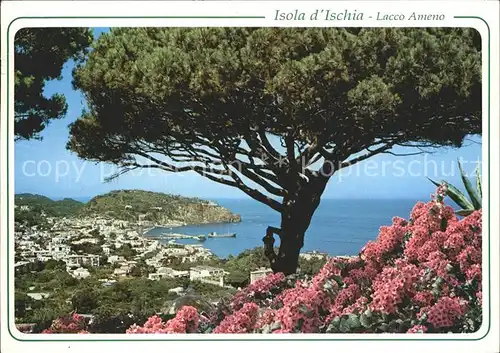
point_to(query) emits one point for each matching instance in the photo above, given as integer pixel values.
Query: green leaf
(353, 321)
(435, 292)
(423, 318)
(470, 189)
(434, 182)
(275, 325)
(407, 237)
(383, 327)
(455, 194)
(266, 328)
(334, 325)
(458, 197)
(344, 326)
(365, 320)
(464, 213)
(479, 187)
(368, 313)
(327, 285)
(444, 224)
(339, 280)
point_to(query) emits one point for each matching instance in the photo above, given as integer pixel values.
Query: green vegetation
(156, 207)
(40, 54)
(125, 205)
(138, 297)
(248, 260)
(312, 266)
(474, 201)
(31, 207)
(126, 251)
(131, 299)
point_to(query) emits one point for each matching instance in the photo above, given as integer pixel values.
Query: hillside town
(56, 243)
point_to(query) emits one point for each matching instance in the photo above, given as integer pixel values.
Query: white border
(486, 10)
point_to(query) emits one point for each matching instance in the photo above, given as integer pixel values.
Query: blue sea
(339, 227)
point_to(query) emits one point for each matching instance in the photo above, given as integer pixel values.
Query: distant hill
(38, 203)
(157, 208)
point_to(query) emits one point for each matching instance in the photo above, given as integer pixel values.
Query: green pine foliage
(40, 54)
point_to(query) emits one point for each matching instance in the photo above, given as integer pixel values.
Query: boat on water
(225, 235)
(177, 236)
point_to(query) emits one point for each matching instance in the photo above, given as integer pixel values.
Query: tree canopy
(275, 111)
(40, 54)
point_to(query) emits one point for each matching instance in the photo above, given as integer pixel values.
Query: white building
(106, 249)
(43, 255)
(122, 271)
(81, 273)
(78, 260)
(59, 251)
(86, 240)
(216, 281)
(167, 272)
(177, 290)
(108, 282)
(116, 259)
(199, 272)
(177, 251)
(154, 276)
(38, 296)
(313, 255)
(260, 273)
(178, 274)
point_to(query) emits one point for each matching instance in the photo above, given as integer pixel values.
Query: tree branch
(365, 156)
(267, 144)
(269, 244)
(210, 173)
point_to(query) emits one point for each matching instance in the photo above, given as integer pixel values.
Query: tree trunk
(295, 219)
(293, 229)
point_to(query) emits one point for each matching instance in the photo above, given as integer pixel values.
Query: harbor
(201, 237)
(225, 235)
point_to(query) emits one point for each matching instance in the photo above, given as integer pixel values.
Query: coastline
(183, 224)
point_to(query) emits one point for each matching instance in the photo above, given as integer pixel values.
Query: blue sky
(46, 167)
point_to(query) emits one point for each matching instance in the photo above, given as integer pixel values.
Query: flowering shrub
(186, 321)
(260, 292)
(421, 275)
(242, 321)
(69, 324)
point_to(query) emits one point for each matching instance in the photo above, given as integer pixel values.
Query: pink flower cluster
(73, 323)
(242, 321)
(185, 321)
(417, 329)
(410, 268)
(344, 298)
(445, 311)
(300, 310)
(392, 285)
(389, 238)
(413, 267)
(258, 291)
